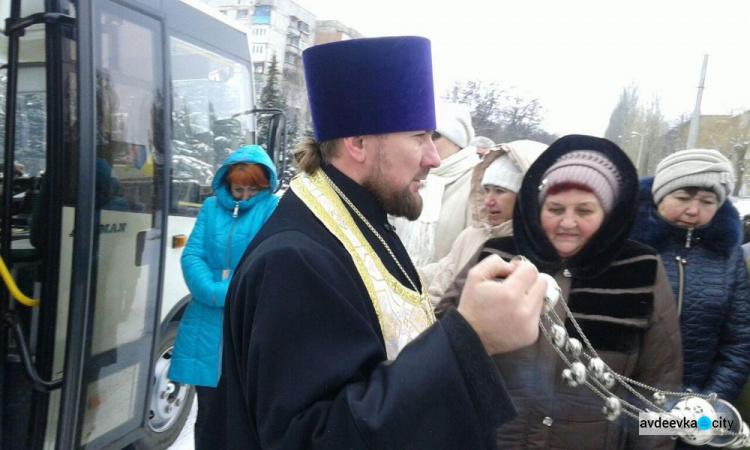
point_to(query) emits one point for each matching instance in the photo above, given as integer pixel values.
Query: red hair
(245, 174)
(568, 185)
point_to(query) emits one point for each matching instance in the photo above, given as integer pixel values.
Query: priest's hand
(505, 315)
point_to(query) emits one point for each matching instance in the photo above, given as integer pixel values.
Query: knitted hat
(454, 122)
(589, 168)
(370, 86)
(503, 173)
(699, 168)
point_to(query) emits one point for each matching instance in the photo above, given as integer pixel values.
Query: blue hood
(720, 236)
(251, 154)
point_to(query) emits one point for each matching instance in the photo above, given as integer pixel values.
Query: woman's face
(242, 192)
(688, 210)
(498, 203)
(570, 218)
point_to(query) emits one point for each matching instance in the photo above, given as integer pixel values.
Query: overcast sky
(575, 55)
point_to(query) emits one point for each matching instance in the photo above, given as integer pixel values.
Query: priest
(329, 339)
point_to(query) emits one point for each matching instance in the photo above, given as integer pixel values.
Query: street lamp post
(695, 120)
(640, 151)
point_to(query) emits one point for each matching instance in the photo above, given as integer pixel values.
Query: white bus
(116, 114)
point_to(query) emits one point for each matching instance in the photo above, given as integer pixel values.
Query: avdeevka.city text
(653, 424)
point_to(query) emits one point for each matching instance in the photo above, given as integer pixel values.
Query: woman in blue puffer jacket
(226, 224)
(684, 215)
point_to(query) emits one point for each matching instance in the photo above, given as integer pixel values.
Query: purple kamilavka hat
(370, 86)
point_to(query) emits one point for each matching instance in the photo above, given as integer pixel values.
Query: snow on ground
(185, 439)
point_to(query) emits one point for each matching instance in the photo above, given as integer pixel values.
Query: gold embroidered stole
(403, 314)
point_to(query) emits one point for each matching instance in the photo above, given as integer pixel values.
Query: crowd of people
(363, 309)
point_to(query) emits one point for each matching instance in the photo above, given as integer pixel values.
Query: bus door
(95, 227)
(123, 126)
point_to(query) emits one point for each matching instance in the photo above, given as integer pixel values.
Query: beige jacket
(439, 275)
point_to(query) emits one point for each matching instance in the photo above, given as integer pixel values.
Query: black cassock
(304, 362)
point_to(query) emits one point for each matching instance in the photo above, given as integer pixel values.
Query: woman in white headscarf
(494, 185)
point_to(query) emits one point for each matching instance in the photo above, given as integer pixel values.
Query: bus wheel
(170, 401)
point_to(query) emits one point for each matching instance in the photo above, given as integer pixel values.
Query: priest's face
(400, 164)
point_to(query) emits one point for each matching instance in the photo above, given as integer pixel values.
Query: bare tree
(739, 146)
(641, 131)
(521, 118)
(654, 128)
(624, 117)
(500, 114)
(485, 101)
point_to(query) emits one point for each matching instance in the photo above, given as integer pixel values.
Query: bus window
(208, 90)
(31, 117)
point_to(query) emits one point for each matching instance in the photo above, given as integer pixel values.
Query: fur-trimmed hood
(522, 153)
(605, 245)
(720, 236)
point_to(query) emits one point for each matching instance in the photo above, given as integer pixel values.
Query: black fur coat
(619, 294)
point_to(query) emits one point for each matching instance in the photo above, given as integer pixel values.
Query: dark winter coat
(617, 291)
(305, 365)
(710, 283)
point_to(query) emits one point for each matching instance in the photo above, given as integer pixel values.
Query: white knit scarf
(419, 236)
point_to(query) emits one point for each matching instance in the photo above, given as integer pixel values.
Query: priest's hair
(309, 153)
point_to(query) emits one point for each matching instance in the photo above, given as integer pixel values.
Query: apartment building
(281, 28)
(332, 30)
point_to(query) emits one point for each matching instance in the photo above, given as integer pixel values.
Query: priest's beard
(396, 202)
